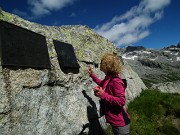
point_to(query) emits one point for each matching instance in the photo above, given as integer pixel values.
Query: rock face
(168, 87)
(49, 101)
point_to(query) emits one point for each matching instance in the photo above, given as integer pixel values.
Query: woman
(111, 91)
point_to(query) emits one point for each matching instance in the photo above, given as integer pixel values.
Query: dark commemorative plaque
(66, 56)
(20, 47)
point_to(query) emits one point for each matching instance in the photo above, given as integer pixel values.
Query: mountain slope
(155, 67)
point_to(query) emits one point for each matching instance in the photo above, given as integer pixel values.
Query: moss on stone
(6, 16)
(2, 118)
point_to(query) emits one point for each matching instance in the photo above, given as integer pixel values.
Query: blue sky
(148, 23)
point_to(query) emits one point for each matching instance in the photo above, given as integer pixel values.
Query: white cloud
(44, 7)
(154, 5)
(133, 25)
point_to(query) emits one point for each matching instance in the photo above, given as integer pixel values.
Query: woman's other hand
(98, 91)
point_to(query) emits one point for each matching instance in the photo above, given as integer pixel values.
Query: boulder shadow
(94, 124)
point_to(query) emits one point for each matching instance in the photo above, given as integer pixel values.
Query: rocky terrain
(51, 101)
(158, 69)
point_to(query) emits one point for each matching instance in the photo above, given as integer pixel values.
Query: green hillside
(155, 113)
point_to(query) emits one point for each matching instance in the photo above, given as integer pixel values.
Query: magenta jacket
(113, 99)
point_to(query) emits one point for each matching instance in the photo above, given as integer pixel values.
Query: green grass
(154, 113)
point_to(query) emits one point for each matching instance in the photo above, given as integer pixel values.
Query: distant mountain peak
(134, 48)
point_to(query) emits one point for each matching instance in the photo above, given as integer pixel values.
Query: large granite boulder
(50, 101)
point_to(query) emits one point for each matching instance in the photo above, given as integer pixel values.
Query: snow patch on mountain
(130, 57)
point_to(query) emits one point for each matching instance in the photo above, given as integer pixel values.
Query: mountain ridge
(155, 67)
